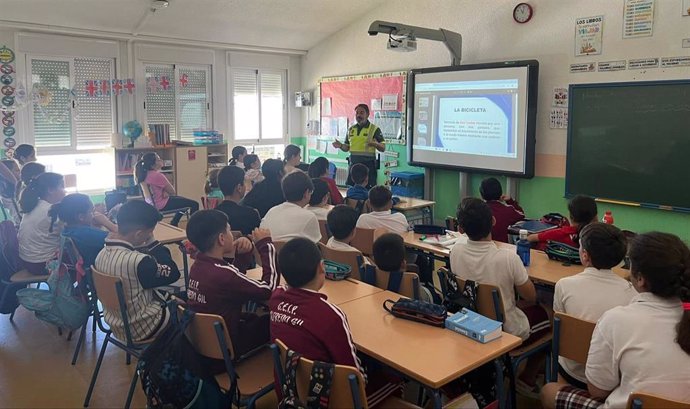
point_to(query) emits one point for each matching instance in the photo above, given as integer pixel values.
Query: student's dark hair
(273, 169)
(8, 189)
(389, 252)
(663, 260)
(144, 164)
(299, 261)
(294, 185)
(359, 173)
(290, 152)
(204, 227)
(213, 177)
(606, 244)
(583, 210)
(28, 172)
(342, 220)
(136, 214)
(22, 152)
(474, 217)
(365, 106)
(69, 209)
(320, 191)
(229, 178)
(379, 196)
(249, 161)
(236, 152)
(318, 167)
(37, 188)
(490, 189)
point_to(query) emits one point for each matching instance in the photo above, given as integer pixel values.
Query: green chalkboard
(630, 142)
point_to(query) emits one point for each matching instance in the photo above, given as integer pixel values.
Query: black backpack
(454, 298)
(174, 375)
(320, 381)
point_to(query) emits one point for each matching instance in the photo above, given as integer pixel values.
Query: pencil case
(336, 271)
(429, 229)
(420, 311)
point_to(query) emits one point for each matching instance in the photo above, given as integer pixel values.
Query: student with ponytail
(162, 193)
(292, 157)
(238, 153)
(643, 346)
(38, 242)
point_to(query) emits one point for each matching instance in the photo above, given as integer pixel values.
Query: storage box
(408, 184)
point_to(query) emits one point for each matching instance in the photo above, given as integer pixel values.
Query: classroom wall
(490, 34)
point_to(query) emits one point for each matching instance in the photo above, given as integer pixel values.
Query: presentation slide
(474, 118)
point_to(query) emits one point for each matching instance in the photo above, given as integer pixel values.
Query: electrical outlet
(686, 43)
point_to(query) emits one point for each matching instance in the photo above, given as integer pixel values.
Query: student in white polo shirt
(381, 200)
(595, 290)
(290, 219)
(645, 345)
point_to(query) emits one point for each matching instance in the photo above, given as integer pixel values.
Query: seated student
(82, 225)
(212, 189)
(307, 323)
(390, 256)
(319, 169)
(482, 261)
(142, 263)
(38, 243)
(216, 286)
(252, 171)
(237, 156)
(242, 218)
(645, 345)
(505, 210)
(318, 204)
(381, 201)
(267, 193)
(162, 195)
(360, 177)
(290, 219)
(292, 157)
(29, 171)
(595, 290)
(342, 221)
(24, 154)
(583, 210)
(8, 190)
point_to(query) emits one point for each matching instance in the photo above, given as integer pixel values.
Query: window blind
(94, 122)
(192, 100)
(246, 104)
(52, 120)
(160, 103)
(272, 100)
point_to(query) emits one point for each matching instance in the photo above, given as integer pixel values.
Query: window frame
(231, 102)
(73, 148)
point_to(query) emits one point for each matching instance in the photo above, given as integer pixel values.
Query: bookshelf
(217, 156)
(126, 158)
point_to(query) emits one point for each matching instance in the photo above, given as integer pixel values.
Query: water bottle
(608, 217)
(523, 248)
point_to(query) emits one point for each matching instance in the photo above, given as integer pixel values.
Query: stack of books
(161, 134)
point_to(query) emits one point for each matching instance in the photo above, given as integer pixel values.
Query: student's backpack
(454, 298)
(174, 375)
(336, 271)
(555, 219)
(562, 252)
(320, 381)
(9, 263)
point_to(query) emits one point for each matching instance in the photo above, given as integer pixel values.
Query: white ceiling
(288, 24)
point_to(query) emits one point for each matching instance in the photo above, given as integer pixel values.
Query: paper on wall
(326, 107)
(560, 97)
(390, 102)
(638, 18)
(558, 118)
(375, 104)
(342, 127)
(588, 34)
(686, 7)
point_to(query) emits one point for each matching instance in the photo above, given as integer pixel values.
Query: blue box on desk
(409, 184)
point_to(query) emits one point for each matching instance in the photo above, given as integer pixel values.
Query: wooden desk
(408, 204)
(167, 233)
(338, 292)
(430, 355)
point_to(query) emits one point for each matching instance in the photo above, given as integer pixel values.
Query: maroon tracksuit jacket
(506, 214)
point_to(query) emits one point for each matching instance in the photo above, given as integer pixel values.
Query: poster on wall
(686, 8)
(588, 34)
(638, 18)
(560, 97)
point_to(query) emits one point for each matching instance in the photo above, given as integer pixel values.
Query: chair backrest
(573, 335)
(146, 192)
(341, 395)
(325, 233)
(111, 294)
(640, 400)
(201, 333)
(364, 239)
(362, 206)
(354, 259)
(9, 250)
(409, 285)
(489, 301)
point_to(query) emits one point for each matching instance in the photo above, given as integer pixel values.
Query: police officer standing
(362, 141)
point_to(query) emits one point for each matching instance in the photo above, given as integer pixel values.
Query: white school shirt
(485, 263)
(634, 349)
(393, 222)
(587, 296)
(287, 221)
(36, 243)
(339, 245)
(320, 212)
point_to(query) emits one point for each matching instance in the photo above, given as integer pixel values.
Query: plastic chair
(364, 239)
(325, 233)
(148, 197)
(354, 259)
(571, 339)
(347, 387)
(640, 400)
(409, 285)
(111, 294)
(246, 379)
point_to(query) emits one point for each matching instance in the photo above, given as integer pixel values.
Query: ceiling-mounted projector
(404, 44)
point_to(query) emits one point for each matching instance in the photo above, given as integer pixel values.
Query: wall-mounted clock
(523, 13)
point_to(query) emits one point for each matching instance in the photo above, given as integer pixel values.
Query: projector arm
(451, 39)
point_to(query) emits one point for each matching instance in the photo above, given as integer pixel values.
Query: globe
(132, 130)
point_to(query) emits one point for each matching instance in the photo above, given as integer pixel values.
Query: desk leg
(500, 388)
(185, 264)
(436, 396)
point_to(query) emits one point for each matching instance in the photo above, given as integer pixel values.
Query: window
(259, 105)
(184, 103)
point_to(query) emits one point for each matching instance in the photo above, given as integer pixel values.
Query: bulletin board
(384, 92)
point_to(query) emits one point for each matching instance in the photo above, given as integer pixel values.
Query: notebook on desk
(532, 226)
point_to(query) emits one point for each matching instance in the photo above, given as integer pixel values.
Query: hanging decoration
(43, 98)
(90, 88)
(164, 83)
(153, 84)
(184, 79)
(116, 86)
(129, 86)
(8, 100)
